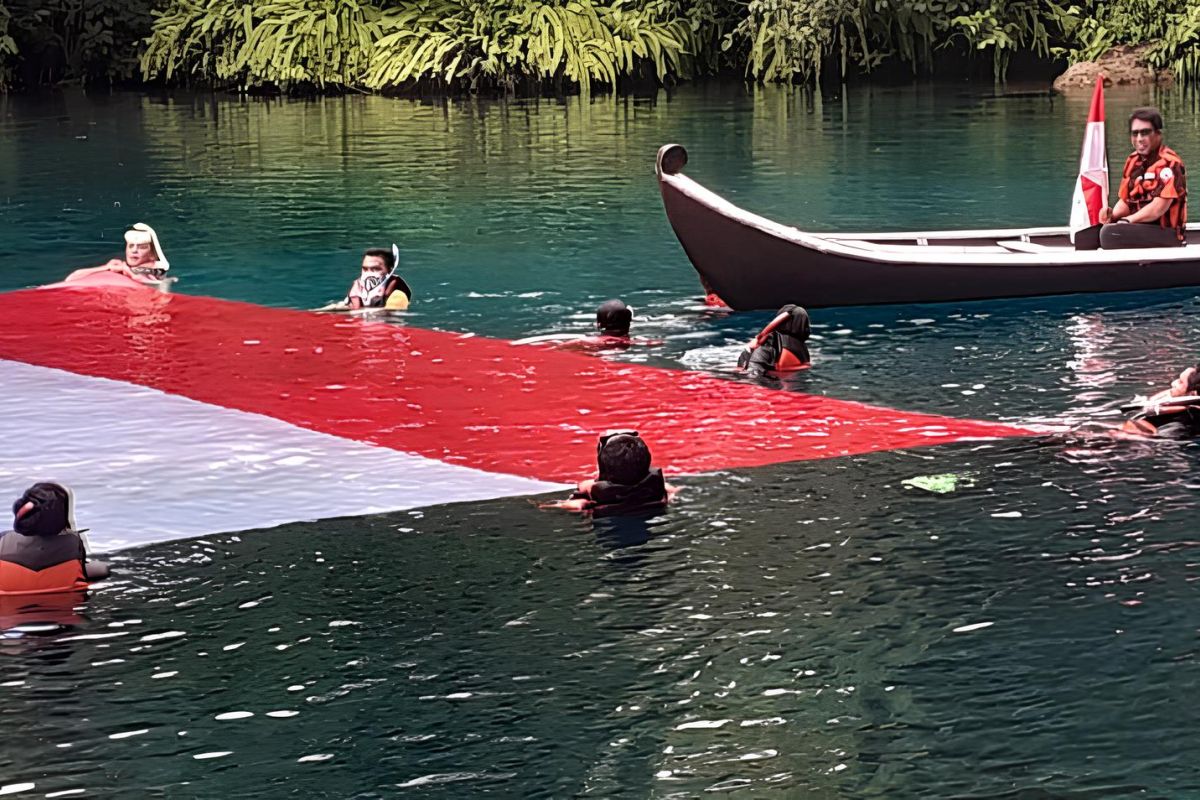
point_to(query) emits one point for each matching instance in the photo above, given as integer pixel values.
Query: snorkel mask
(141, 233)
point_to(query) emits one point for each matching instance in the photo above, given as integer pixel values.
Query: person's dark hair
(1147, 114)
(385, 254)
(1193, 385)
(613, 318)
(624, 459)
(797, 324)
(50, 515)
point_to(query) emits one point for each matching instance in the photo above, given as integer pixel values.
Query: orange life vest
(41, 564)
(1160, 175)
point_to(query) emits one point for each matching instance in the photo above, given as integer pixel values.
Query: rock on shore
(1124, 65)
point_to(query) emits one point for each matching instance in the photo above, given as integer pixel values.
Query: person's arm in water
(352, 296)
(92, 570)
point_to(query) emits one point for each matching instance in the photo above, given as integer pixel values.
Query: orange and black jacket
(43, 553)
(41, 564)
(1157, 175)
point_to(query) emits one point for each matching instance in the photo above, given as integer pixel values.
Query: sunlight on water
(817, 629)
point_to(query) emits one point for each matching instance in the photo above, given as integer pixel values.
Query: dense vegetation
(558, 45)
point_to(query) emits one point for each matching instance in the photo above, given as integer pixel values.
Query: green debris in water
(939, 484)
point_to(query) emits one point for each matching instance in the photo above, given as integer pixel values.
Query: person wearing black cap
(1173, 413)
(44, 552)
(626, 483)
(782, 346)
(1152, 209)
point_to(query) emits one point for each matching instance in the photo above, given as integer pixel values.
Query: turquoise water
(808, 630)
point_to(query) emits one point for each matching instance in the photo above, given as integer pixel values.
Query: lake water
(815, 629)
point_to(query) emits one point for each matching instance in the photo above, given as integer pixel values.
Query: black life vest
(1183, 423)
(608, 498)
(782, 344)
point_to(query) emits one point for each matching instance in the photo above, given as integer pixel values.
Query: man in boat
(1152, 209)
(144, 260)
(44, 552)
(379, 285)
(782, 346)
(1173, 413)
(626, 482)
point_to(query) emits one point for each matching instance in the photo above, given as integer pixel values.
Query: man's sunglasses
(1137, 133)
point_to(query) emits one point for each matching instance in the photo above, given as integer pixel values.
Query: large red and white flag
(1091, 189)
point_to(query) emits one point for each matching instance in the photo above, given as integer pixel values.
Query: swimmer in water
(613, 319)
(45, 552)
(1173, 413)
(379, 285)
(781, 346)
(626, 482)
(144, 260)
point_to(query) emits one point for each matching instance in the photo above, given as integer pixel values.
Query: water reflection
(811, 629)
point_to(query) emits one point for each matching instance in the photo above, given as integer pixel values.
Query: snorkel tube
(394, 275)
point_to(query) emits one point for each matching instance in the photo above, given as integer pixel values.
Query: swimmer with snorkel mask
(379, 284)
(144, 260)
(1173, 413)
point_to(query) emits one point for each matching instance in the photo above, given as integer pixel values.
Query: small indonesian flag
(1091, 190)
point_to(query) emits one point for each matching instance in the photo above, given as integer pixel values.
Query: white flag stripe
(147, 466)
(1093, 165)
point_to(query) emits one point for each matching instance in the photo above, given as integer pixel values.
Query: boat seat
(920, 249)
(1018, 246)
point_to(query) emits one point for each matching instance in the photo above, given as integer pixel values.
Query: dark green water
(804, 630)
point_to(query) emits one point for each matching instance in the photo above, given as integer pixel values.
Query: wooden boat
(751, 262)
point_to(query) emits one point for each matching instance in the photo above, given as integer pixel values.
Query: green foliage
(8, 50)
(1171, 28)
(534, 45)
(787, 39)
(1004, 28)
(794, 39)
(1179, 47)
(457, 43)
(318, 42)
(79, 41)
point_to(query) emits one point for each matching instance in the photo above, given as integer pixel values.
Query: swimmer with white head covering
(144, 259)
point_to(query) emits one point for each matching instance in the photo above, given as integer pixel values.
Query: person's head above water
(142, 248)
(795, 323)
(613, 318)
(378, 260)
(43, 510)
(623, 457)
(1187, 384)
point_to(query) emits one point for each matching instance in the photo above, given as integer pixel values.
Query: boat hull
(753, 263)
